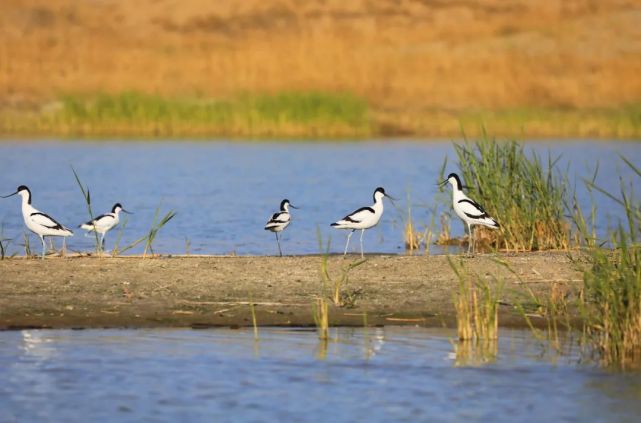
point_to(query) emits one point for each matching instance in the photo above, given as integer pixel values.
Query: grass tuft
(87, 197)
(477, 318)
(612, 285)
(339, 296)
(525, 193)
(156, 226)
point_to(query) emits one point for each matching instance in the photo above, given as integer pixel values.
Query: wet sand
(196, 291)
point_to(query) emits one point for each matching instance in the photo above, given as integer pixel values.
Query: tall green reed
(477, 316)
(121, 230)
(156, 226)
(524, 192)
(612, 285)
(477, 305)
(27, 244)
(87, 197)
(148, 238)
(336, 285)
(4, 243)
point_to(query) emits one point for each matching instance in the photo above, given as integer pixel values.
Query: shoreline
(215, 291)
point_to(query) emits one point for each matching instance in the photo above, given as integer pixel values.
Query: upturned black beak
(442, 183)
(10, 195)
(293, 206)
(126, 211)
(390, 197)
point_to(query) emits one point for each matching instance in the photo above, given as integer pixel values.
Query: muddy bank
(215, 291)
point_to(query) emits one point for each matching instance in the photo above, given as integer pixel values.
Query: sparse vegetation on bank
(297, 115)
(423, 68)
(612, 287)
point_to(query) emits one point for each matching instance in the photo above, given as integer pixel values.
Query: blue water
(379, 375)
(224, 192)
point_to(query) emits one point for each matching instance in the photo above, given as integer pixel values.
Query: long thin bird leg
(473, 240)
(63, 251)
(44, 247)
(347, 243)
(469, 240)
(278, 241)
(102, 243)
(362, 232)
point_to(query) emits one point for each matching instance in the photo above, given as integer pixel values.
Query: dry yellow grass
(422, 65)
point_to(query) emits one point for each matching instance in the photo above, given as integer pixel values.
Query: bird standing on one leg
(279, 221)
(104, 223)
(363, 218)
(471, 212)
(37, 222)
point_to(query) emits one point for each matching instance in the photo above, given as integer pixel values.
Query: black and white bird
(279, 221)
(104, 223)
(37, 222)
(363, 218)
(471, 212)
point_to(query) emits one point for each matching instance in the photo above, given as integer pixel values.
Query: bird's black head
(116, 206)
(22, 190)
(454, 179)
(284, 203)
(381, 190)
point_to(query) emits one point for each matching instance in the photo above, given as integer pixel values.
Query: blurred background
(108, 72)
(284, 68)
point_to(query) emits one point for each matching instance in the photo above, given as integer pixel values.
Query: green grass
(526, 194)
(4, 242)
(476, 304)
(477, 317)
(299, 115)
(617, 122)
(336, 286)
(612, 287)
(284, 113)
(86, 195)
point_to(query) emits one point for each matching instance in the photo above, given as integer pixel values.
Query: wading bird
(37, 222)
(104, 223)
(279, 221)
(471, 212)
(363, 218)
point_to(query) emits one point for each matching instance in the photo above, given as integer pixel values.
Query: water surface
(224, 192)
(378, 375)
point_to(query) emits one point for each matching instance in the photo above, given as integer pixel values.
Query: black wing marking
(96, 219)
(275, 218)
(477, 216)
(474, 203)
(349, 216)
(482, 213)
(54, 224)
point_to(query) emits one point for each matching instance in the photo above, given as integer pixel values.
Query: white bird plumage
(104, 223)
(38, 222)
(468, 210)
(279, 221)
(363, 218)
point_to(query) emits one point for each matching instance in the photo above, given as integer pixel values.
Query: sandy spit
(90, 292)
